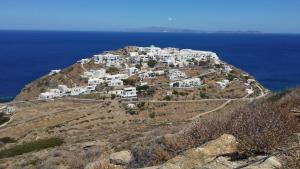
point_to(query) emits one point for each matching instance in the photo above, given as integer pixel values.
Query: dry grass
(291, 159)
(156, 151)
(260, 127)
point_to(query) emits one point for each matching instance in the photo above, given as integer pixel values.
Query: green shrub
(113, 96)
(168, 98)
(141, 105)
(7, 140)
(152, 115)
(112, 70)
(152, 63)
(145, 90)
(3, 119)
(29, 147)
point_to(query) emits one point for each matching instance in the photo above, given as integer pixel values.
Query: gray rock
(205, 153)
(121, 158)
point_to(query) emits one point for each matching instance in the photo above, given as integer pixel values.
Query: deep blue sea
(274, 59)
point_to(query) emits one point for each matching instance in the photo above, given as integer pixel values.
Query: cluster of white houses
(172, 57)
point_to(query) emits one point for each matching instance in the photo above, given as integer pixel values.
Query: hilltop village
(141, 107)
(160, 73)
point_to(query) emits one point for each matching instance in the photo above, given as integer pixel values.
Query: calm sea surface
(274, 59)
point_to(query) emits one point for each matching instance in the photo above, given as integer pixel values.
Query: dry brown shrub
(156, 151)
(291, 159)
(262, 127)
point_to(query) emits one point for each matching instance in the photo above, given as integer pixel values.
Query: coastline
(6, 99)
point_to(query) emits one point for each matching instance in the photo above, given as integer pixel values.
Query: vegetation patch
(7, 140)
(30, 147)
(3, 119)
(112, 70)
(260, 127)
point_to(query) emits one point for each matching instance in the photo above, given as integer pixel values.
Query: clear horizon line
(127, 31)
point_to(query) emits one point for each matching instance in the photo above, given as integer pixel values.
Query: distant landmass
(179, 30)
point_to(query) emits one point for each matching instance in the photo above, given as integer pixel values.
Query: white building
(133, 54)
(129, 92)
(107, 59)
(116, 92)
(223, 83)
(100, 73)
(249, 91)
(56, 92)
(132, 71)
(46, 96)
(176, 75)
(186, 83)
(64, 90)
(75, 91)
(95, 81)
(7, 110)
(84, 61)
(115, 83)
(227, 69)
(52, 72)
(90, 88)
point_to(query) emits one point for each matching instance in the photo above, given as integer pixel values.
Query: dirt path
(211, 111)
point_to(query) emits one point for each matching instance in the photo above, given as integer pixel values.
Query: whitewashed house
(75, 91)
(100, 73)
(130, 106)
(115, 83)
(133, 54)
(227, 69)
(90, 88)
(249, 91)
(107, 59)
(132, 71)
(223, 83)
(87, 74)
(122, 76)
(116, 92)
(129, 92)
(46, 96)
(56, 92)
(176, 75)
(84, 61)
(95, 81)
(159, 72)
(52, 72)
(250, 81)
(64, 90)
(186, 83)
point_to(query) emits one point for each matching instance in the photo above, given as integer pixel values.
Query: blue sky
(275, 16)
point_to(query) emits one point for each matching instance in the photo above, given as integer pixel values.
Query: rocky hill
(199, 113)
(155, 67)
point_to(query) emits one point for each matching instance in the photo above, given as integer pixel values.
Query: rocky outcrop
(225, 163)
(121, 158)
(209, 156)
(204, 154)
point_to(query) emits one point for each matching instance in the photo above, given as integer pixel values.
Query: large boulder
(121, 158)
(204, 154)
